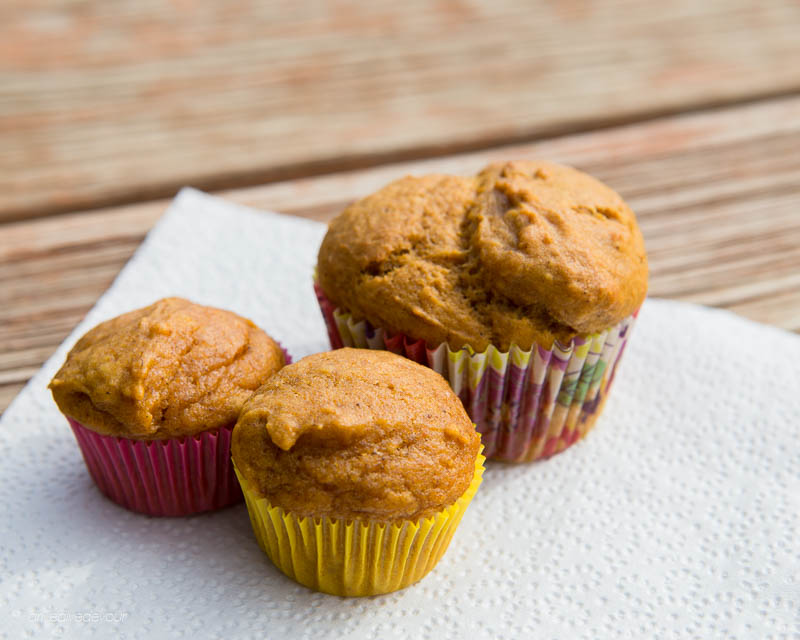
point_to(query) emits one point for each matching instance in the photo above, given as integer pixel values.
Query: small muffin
(152, 396)
(529, 271)
(356, 467)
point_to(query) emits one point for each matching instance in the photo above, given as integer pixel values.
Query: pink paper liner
(174, 477)
(171, 477)
(525, 413)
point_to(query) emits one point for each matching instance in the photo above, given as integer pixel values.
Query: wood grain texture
(110, 102)
(717, 195)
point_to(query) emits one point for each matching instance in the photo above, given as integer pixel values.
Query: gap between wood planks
(354, 162)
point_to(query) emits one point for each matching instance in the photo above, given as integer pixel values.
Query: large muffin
(523, 255)
(360, 437)
(153, 395)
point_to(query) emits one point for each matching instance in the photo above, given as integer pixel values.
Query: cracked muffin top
(172, 369)
(355, 433)
(521, 253)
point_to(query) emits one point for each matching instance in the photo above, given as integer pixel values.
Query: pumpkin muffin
(367, 457)
(530, 270)
(152, 396)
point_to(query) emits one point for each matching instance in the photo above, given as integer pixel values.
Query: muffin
(519, 285)
(152, 397)
(356, 467)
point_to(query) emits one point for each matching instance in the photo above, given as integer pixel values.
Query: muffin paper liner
(170, 477)
(174, 477)
(527, 405)
(355, 557)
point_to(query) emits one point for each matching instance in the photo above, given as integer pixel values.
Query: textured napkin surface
(679, 516)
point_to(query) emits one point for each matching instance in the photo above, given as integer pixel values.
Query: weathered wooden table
(691, 111)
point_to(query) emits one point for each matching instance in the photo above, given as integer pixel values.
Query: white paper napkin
(678, 517)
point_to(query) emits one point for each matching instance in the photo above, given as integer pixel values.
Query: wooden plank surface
(112, 102)
(717, 194)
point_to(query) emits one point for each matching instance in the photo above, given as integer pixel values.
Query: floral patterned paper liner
(356, 557)
(526, 404)
(170, 477)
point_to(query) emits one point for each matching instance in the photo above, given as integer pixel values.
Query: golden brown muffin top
(523, 253)
(355, 433)
(172, 369)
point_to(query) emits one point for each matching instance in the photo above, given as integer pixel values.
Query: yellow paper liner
(355, 557)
